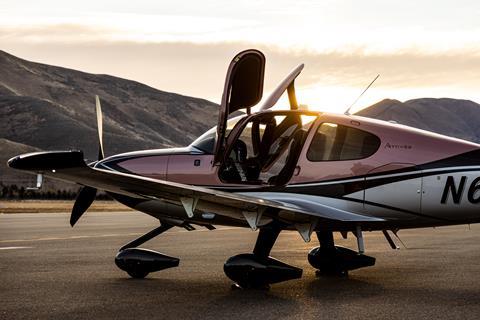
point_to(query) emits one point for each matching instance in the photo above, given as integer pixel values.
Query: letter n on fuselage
(451, 187)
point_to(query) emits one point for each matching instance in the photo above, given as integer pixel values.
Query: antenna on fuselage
(347, 112)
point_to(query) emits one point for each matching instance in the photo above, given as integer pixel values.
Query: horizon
(186, 47)
(282, 102)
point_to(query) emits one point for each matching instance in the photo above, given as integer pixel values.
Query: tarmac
(50, 270)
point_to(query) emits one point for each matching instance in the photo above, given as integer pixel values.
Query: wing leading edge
(70, 166)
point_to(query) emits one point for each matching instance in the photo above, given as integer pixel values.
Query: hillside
(451, 117)
(46, 108)
(51, 107)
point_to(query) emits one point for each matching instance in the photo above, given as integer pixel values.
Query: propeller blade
(84, 199)
(86, 195)
(98, 109)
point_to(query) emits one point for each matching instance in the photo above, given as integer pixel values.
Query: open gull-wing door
(243, 90)
(287, 84)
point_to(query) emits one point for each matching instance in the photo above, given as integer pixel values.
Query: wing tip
(47, 160)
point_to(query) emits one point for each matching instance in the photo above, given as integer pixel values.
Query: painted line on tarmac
(72, 237)
(103, 236)
(14, 248)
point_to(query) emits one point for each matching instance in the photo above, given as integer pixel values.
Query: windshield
(206, 142)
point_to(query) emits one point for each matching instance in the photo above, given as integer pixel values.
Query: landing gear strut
(138, 262)
(258, 269)
(332, 260)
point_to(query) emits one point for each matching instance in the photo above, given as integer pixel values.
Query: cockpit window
(206, 142)
(336, 142)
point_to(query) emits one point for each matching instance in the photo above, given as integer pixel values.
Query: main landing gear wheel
(331, 260)
(257, 270)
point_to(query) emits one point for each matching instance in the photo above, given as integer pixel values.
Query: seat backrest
(266, 139)
(291, 161)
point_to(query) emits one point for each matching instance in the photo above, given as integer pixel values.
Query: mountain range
(452, 117)
(44, 107)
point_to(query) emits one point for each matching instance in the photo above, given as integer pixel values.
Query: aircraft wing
(70, 166)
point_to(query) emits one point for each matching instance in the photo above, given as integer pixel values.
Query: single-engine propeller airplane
(280, 170)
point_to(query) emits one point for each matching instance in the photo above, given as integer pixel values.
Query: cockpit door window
(243, 89)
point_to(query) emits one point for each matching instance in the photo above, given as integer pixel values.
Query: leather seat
(292, 158)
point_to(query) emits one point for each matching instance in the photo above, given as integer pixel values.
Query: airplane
(275, 170)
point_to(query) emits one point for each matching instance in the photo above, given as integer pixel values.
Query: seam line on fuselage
(392, 208)
(414, 174)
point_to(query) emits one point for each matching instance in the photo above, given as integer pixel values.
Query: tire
(137, 274)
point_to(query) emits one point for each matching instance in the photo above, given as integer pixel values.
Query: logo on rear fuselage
(457, 192)
(398, 146)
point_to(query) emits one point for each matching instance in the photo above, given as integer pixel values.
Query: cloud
(65, 33)
(198, 69)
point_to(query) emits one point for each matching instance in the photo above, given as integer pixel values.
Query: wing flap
(310, 204)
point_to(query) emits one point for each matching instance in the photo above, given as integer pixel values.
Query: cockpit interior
(267, 149)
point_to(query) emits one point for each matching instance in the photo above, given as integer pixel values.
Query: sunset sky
(419, 48)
